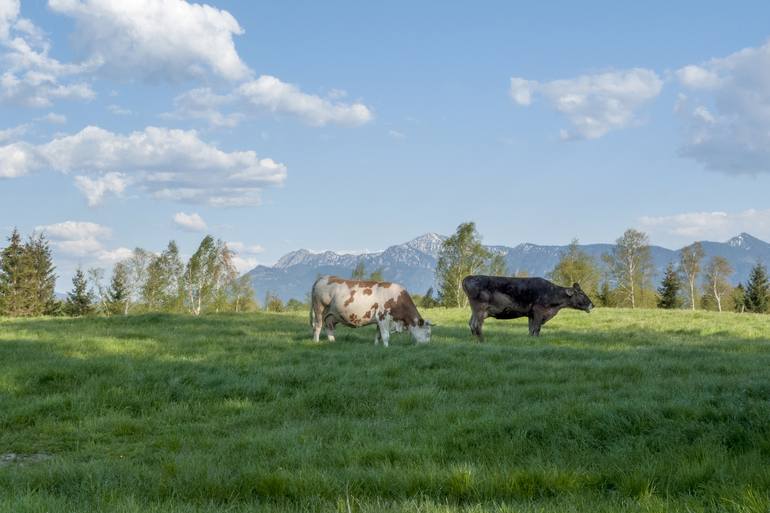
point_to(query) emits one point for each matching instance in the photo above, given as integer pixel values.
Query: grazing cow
(509, 298)
(357, 303)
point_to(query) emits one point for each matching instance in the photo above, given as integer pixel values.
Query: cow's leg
(330, 328)
(478, 314)
(534, 324)
(318, 321)
(383, 331)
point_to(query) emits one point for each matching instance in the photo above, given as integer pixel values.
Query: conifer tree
(42, 276)
(119, 293)
(669, 289)
(79, 300)
(359, 272)
(739, 298)
(11, 276)
(757, 290)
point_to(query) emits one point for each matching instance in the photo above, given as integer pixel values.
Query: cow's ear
(421, 323)
(569, 292)
(576, 286)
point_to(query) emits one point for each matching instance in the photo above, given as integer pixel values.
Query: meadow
(618, 410)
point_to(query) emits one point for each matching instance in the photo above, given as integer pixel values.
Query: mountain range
(413, 263)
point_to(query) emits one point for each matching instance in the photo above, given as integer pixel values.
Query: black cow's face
(578, 299)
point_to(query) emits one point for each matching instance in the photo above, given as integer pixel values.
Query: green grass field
(618, 410)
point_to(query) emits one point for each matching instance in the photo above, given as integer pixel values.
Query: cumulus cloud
(268, 93)
(54, 118)
(158, 40)
(95, 189)
(162, 163)
(242, 248)
(30, 77)
(190, 222)
(593, 104)
(83, 239)
(727, 118)
(691, 226)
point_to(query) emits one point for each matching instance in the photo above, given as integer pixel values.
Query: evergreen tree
(39, 277)
(79, 300)
(576, 266)
(669, 289)
(359, 273)
(11, 276)
(428, 301)
(119, 293)
(376, 275)
(461, 255)
(757, 290)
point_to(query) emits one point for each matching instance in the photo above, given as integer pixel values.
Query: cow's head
(421, 331)
(578, 299)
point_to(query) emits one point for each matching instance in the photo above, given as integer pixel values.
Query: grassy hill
(615, 411)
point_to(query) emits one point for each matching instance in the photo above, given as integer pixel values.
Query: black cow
(508, 298)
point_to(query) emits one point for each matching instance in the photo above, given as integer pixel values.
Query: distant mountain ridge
(413, 263)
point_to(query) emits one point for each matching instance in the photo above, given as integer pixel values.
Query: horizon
(323, 131)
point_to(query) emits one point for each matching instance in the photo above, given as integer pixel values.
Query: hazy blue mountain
(412, 263)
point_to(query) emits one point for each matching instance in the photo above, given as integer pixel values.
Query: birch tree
(690, 259)
(630, 265)
(461, 255)
(715, 279)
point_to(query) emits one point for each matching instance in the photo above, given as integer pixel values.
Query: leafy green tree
(208, 275)
(497, 265)
(376, 275)
(461, 255)
(273, 303)
(630, 266)
(576, 266)
(119, 292)
(690, 258)
(757, 290)
(295, 305)
(428, 301)
(715, 285)
(80, 300)
(359, 273)
(95, 278)
(668, 292)
(739, 298)
(242, 295)
(162, 290)
(136, 266)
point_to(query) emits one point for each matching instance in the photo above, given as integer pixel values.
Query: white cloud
(593, 104)
(728, 124)
(30, 77)
(163, 163)
(75, 230)
(691, 226)
(9, 11)
(54, 119)
(190, 222)
(242, 248)
(244, 264)
(95, 189)
(158, 40)
(521, 90)
(268, 93)
(83, 240)
(395, 134)
(13, 133)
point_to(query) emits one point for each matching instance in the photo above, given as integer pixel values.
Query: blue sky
(354, 126)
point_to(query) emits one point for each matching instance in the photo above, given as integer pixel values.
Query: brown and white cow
(357, 303)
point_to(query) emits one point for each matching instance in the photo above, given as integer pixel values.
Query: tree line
(625, 279)
(209, 282)
(144, 282)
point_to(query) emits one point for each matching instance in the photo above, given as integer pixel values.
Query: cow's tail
(312, 314)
